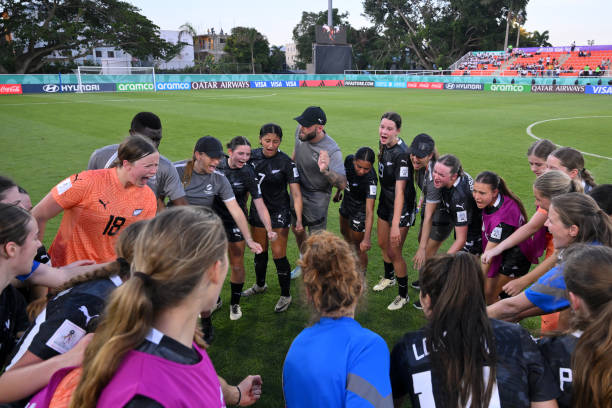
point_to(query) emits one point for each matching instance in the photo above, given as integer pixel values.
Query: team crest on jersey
(136, 212)
(64, 186)
(208, 187)
(65, 337)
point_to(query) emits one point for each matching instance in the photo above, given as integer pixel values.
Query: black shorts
(232, 231)
(356, 220)
(514, 263)
(280, 219)
(386, 214)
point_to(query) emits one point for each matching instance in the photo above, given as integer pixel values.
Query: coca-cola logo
(10, 89)
(50, 88)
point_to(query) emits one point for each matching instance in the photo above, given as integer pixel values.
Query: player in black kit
(244, 182)
(461, 354)
(396, 205)
(581, 359)
(457, 199)
(274, 171)
(357, 208)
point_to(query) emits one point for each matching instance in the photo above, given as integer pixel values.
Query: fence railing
(535, 73)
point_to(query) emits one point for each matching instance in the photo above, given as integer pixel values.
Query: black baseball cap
(313, 115)
(422, 145)
(209, 145)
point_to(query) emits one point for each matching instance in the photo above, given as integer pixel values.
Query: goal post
(146, 74)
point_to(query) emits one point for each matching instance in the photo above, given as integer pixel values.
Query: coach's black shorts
(232, 231)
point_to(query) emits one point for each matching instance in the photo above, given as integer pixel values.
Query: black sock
(388, 270)
(236, 289)
(284, 275)
(402, 286)
(261, 264)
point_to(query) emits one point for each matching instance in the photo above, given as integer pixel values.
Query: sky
(566, 20)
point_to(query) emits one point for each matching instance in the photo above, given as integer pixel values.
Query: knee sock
(261, 264)
(236, 289)
(388, 270)
(402, 286)
(283, 269)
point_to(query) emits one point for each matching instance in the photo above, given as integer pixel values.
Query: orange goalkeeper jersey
(97, 207)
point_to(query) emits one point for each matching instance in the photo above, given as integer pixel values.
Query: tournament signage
(389, 84)
(453, 86)
(135, 87)
(6, 89)
(275, 84)
(598, 90)
(508, 88)
(57, 88)
(558, 88)
(359, 83)
(321, 83)
(425, 85)
(220, 85)
(173, 86)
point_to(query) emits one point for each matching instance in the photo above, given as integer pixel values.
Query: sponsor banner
(359, 83)
(558, 88)
(598, 89)
(135, 87)
(508, 87)
(425, 85)
(6, 89)
(57, 88)
(321, 83)
(275, 84)
(173, 86)
(220, 85)
(389, 84)
(458, 86)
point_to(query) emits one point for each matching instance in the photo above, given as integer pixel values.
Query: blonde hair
(331, 276)
(171, 256)
(554, 183)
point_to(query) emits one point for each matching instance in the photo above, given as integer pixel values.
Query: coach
(319, 162)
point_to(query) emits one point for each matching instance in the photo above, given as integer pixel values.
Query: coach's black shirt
(557, 351)
(243, 182)
(273, 175)
(522, 375)
(394, 164)
(358, 188)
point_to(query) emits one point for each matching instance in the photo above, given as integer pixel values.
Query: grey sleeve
(171, 185)
(94, 161)
(336, 163)
(433, 193)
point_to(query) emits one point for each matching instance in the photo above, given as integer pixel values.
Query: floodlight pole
(329, 13)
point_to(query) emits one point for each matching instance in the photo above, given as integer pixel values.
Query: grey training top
(203, 188)
(166, 182)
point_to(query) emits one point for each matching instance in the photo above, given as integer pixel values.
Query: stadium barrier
(21, 84)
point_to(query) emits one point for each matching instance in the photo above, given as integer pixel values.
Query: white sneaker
(384, 283)
(235, 312)
(254, 290)
(282, 304)
(398, 303)
(296, 272)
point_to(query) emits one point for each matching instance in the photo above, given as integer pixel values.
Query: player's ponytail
(498, 183)
(172, 255)
(459, 334)
(588, 274)
(572, 159)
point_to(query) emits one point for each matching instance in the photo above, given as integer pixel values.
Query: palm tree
(189, 30)
(249, 36)
(542, 38)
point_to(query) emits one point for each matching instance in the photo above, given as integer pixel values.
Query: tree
(276, 61)
(30, 31)
(304, 33)
(188, 30)
(246, 44)
(441, 31)
(541, 38)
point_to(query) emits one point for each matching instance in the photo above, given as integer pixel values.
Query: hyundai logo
(50, 88)
(450, 86)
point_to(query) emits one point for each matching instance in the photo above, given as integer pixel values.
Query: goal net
(101, 74)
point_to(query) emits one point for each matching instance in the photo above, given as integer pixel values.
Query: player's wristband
(239, 395)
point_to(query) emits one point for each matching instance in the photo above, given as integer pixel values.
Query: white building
(290, 55)
(186, 56)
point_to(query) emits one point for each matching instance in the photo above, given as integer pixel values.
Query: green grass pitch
(45, 138)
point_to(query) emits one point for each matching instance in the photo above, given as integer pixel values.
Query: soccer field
(47, 137)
